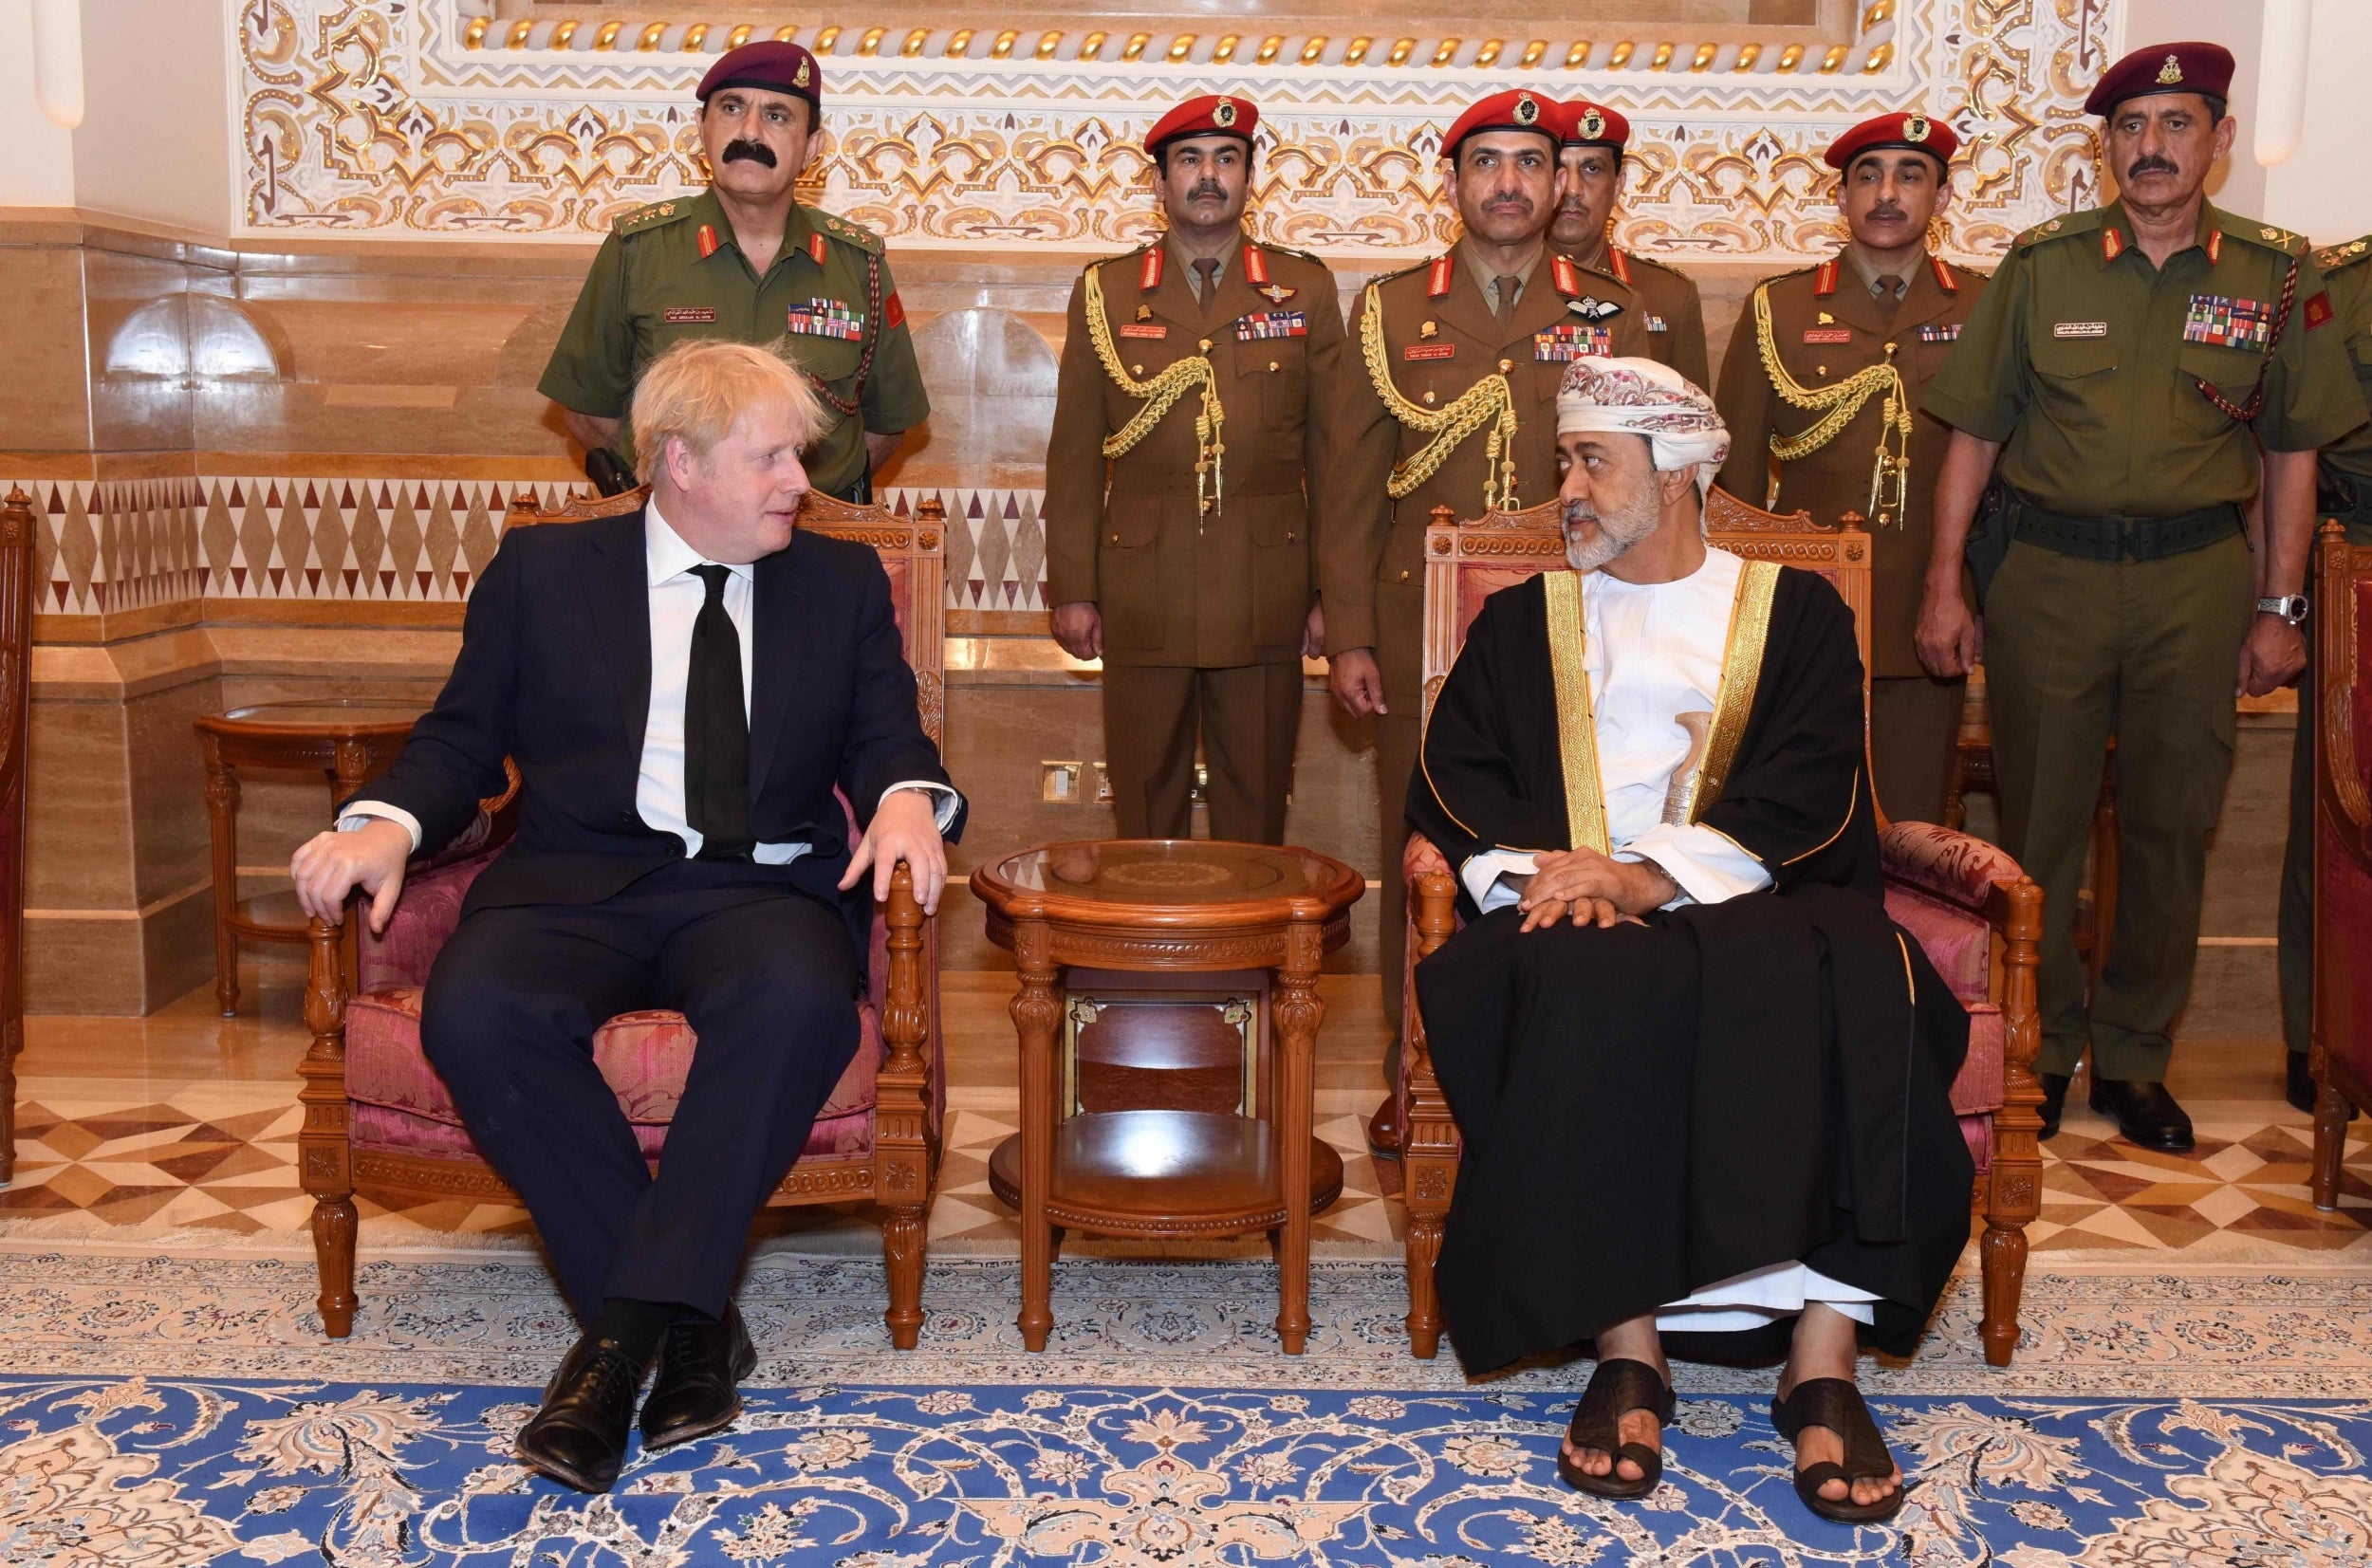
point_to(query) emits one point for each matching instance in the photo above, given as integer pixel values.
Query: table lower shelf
(1169, 1173)
(270, 917)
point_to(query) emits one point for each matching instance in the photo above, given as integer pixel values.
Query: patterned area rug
(163, 1412)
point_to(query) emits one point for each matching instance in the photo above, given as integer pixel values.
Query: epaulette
(656, 215)
(2059, 228)
(1782, 277)
(850, 233)
(1388, 277)
(2332, 257)
(1661, 265)
(2266, 234)
(1288, 251)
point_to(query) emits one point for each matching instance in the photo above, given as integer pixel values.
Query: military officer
(1653, 309)
(743, 259)
(1451, 399)
(2344, 494)
(1202, 368)
(2124, 366)
(1820, 389)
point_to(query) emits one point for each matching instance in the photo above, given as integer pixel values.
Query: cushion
(1952, 865)
(1983, 1079)
(1958, 943)
(644, 1056)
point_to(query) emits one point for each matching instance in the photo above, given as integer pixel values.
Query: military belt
(2121, 538)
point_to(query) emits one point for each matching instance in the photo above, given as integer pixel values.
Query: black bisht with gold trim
(1658, 1107)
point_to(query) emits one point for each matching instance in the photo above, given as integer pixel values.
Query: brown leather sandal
(1616, 1389)
(1836, 1404)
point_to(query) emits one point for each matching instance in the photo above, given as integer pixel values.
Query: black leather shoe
(2302, 1088)
(578, 1436)
(697, 1390)
(2146, 1113)
(2054, 1102)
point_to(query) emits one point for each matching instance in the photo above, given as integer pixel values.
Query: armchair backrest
(913, 552)
(1467, 563)
(2342, 608)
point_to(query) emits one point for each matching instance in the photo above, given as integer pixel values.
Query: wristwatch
(2290, 607)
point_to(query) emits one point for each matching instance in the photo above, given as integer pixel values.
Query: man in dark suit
(682, 688)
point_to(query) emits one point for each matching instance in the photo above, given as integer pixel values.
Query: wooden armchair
(1961, 897)
(2341, 1047)
(16, 646)
(379, 1121)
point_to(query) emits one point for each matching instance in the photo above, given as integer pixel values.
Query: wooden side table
(1168, 905)
(352, 740)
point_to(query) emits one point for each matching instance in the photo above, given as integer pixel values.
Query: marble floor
(181, 1128)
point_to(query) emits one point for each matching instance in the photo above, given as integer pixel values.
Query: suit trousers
(767, 978)
(1913, 737)
(1248, 715)
(2077, 651)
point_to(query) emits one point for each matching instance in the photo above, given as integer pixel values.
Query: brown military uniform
(1203, 598)
(1660, 316)
(1440, 335)
(1826, 326)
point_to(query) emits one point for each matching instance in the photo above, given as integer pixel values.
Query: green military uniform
(1436, 333)
(2344, 494)
(2127, 589)
(1822, 328)
(1193, 542)
(671, 270)
(1656, 314)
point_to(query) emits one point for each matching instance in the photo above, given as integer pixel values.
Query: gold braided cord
(1488, 401)
(1160, 394)
(1838, 404)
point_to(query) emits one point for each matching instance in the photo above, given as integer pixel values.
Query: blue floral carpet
(158, 1413)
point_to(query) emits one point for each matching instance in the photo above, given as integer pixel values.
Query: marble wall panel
(44, 398)
(138, 326)
(79, 805)
(170, 846)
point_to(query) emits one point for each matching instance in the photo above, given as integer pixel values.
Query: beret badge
(1915, 128)
(1527, 109)
(1223, 113)
(1593, 125)
(2170, 74)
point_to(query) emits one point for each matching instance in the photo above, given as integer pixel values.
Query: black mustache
(2151, 165)
(1208, 188)
(755, 151)
(1885, 209)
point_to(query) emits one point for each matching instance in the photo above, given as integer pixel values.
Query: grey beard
(1617, 532)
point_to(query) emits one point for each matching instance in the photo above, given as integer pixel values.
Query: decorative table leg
(1296, 1012)
(1037, 1011)
(222, 812)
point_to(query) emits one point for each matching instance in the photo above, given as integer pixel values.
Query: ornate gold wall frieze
(370, 118)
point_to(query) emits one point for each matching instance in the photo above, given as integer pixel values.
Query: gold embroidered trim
(1838, 404)
(1852, 803)
(1741, 670)
(1161, 394)
(1488, 401)
(1577, 724)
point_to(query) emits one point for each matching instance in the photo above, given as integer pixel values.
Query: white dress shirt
(1653, 652)
(676, 595)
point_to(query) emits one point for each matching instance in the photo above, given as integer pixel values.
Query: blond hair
(697, 391)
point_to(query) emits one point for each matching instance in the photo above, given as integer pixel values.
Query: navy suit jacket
(555, 673)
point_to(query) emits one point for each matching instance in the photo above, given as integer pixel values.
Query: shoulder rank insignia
(651, 217)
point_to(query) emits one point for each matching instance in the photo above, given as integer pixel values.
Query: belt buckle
(2125, 532)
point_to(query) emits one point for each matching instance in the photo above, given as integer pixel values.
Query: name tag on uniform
(678, 314)
(1428, 351)
(1827, 334)
(1567, 340)
(1271, 324)
(1656, 323)
(1143, 330)
(2079, 329)
(2228, 322)
(1932, 334)
(827, 319)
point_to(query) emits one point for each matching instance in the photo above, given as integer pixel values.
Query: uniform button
(1506, 365)
(1429, 395)
(1289, 537)
(1820, 370)
(1403, 576)
(1116, 539)
(1273, 364)
(1136, 370)
(1205, 345)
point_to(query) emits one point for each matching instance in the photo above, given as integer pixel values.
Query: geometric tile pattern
(2247, 1182)
(110, 545)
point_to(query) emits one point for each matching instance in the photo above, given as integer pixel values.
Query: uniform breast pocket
(2073, 372)
(2232, 372)
(1272, 379)
(829, 359)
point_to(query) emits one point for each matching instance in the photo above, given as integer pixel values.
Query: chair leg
(902, 1259)
(2332, 1111)
(2002, 1253)
(333, 1258)
(324, 1147)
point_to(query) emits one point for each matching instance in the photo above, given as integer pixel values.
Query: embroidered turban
(1642, 397)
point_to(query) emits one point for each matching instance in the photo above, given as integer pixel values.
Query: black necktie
(716, 731)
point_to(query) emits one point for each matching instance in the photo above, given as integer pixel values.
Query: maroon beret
(1912, 131)
(2164, 68)
(1589, 125)
(1213, 114)
(769, 65)
(1516, 110)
